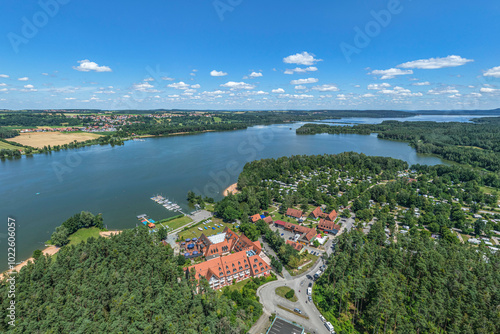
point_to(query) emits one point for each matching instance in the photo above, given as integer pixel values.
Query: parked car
(322, 318)
(297, 310)
(310, 285)
(310, 298)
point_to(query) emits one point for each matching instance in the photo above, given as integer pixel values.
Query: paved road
(270, 300)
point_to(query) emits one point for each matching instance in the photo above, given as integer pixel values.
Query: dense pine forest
(476, 144)
(412, 285)
(130, 283)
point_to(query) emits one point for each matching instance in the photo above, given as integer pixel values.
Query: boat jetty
(146, 221)
(169, 205)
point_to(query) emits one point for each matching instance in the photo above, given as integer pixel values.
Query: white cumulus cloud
(278, 90)
(304, 58)
(179, 85)
(145, 87)
(23, 79)
(215, 73)
(378, 86)
(87, 66)
(493, 72)
(390, 73)
(489, 90)
(303, 81)
(301, 70)
(326, 88)
(255, 75)
(237, 85)
(435, 63)
(425, 83)
(441, 91)
(4, 76)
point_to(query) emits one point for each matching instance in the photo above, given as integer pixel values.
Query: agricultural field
(41, 139)
(6, 146)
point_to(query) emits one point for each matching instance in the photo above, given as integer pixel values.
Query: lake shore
(51, 250)
(231, 190)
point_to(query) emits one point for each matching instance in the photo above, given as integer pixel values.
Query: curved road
(270, 300)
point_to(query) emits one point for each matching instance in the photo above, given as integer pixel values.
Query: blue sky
(242, 54)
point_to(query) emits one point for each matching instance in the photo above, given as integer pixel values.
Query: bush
(290, 294)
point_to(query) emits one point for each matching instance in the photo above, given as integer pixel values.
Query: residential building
(223, 270)
(318, 212)
(328, 226)
(307, 234)
(294, 213)
(218, 245)
(298, 247)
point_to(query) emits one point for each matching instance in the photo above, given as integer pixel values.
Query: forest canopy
(414, 285)
(130, 283)
(476, 144)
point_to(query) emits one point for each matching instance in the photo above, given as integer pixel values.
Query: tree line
(476, 144)
(80, 220)
(414, 285)
(129, 283)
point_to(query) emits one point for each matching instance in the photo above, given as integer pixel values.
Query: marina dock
(167, 204)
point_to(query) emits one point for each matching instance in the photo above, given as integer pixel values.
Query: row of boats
(169, 205)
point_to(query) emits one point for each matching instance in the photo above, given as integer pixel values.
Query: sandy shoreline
(51, 250)
(231, 190)
(107, 234)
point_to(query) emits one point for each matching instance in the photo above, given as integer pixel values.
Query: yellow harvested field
(41, 139)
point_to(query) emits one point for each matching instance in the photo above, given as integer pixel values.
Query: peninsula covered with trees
(475, 144)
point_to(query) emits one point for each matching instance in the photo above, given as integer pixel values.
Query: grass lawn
(307, 257)
(279, 216)
(193, 231)
(83, 234)
(177, 222)
(209, 206)
(288, 310)
(4, 145)
(488, 190)
(283, 290)
(238, 286)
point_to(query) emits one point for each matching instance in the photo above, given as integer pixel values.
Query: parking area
(282, 326)
(287, 235)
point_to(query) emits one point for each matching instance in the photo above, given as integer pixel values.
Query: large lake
(42, 191)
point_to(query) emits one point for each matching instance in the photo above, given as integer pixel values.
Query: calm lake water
(42, 191)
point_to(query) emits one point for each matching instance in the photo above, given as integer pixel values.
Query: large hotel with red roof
(229, 257)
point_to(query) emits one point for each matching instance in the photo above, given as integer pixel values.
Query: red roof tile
(294, 213)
